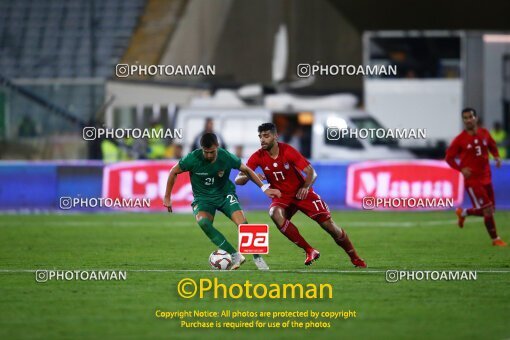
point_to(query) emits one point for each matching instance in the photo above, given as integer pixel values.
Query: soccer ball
(220, 260)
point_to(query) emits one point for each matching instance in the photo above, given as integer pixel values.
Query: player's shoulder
(228, 157)
(192, 157)
(225, 154)
(483, 131)
(195, 154)
(460, 137)
(284, 147)
(257, 154)
(288, 149)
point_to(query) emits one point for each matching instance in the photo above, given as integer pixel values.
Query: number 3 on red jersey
(478, 149)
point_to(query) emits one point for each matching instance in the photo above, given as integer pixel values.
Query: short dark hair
(267, 127)
(469, 109)
(208, 140)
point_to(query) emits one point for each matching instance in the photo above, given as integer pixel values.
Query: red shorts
(481, 195)
(312, 206)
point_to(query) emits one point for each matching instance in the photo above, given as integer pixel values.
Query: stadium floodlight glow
(496, 38)
(336, 122)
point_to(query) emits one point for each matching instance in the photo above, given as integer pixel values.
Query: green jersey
(210, 181)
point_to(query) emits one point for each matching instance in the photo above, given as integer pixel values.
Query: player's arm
(264, 187)
(493, 149)
(451, 155)
(242, 179)
(170, 185)
(310, 177)
(301, 163)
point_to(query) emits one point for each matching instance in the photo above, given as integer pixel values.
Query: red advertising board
(147, 180)
(253, 239)
(403, 180)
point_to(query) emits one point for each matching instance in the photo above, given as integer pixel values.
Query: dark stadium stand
(65, 39)
(62, 52)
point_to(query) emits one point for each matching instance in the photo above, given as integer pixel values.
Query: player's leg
(488, 217)
(342, 239)
(231, 208)
(204, 215)
(482, 203)
(315, 208)
(474, 196)
(490, 193)
(476, 210)
(281, 217)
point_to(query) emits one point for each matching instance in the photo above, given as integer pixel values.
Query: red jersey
(282, 172)
(473, 152)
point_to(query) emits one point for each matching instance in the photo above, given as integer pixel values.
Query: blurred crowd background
(58, 60)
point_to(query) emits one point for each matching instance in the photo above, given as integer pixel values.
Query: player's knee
(273, 212)
(324, 220)
(278, 221)
(276, 214)
(340, 234)
(488, 211)
(335, 231)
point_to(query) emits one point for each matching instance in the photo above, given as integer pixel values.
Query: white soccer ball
(220, 260)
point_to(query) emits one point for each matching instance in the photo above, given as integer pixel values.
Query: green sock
(215, 236)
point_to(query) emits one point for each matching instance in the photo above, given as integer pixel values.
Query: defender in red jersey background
(283, 168)
(472, 147)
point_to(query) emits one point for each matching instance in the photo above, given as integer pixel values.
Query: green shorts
(228, 205)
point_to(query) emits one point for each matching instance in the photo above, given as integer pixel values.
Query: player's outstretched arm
(493, 149)
(242, 179)
(264, 187)
(170, 185)
(310, 178)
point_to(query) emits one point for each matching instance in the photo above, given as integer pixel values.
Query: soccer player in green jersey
(209, 169)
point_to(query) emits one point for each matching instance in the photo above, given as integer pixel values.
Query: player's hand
(498, 162)
(167, 202)
(271, 193)
(262, 177)
(466, 172)
(302, 193)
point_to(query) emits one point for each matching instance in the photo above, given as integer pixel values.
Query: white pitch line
(352, 271)
(399, 224)
(402, 224)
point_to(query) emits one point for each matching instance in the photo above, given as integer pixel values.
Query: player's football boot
(260, 263)
(312, 256)
(237, 260)
(460, 218)
(499, 243)
(359, 263)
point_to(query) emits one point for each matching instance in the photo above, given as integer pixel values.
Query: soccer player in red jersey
(472, 147)
(283, 167)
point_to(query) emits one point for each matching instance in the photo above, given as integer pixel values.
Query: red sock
(292, 233)
(346, 244)
(474, 212)
(490, 224)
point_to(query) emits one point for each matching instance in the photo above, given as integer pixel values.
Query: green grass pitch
(174, 245)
